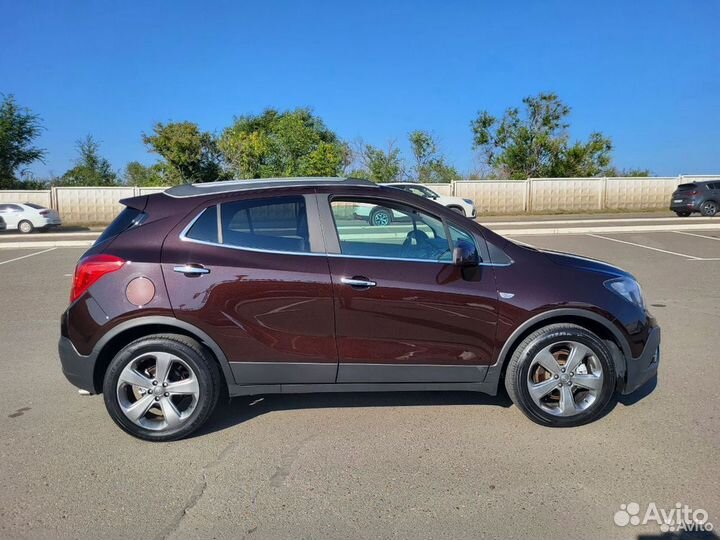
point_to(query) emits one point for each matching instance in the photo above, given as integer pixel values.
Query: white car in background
(26, 217)
(382, 216)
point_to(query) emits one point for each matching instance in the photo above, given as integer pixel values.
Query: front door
(404, 312)
(253, 274)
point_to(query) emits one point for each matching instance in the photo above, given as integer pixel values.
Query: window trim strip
(184, 238)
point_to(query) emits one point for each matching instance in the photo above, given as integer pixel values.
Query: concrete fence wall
(100, 205)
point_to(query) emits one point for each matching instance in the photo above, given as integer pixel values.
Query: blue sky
(645, 72)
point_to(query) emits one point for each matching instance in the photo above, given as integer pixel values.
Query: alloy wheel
(565, 378)
(381, 218)
(158, 391)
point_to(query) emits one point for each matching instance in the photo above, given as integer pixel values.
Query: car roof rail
(230, 186)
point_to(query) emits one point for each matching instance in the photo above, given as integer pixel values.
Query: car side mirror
(465, 254)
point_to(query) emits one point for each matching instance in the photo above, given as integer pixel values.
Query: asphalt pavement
(407, 465)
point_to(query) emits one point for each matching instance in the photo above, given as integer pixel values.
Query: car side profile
(27, 217)
(703, 197)
(271, 286)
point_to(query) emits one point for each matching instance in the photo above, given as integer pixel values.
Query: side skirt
(251, 390)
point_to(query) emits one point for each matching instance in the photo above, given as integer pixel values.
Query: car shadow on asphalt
(241, 409)
(244, 408)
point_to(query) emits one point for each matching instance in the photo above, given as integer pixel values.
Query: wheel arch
(124, 333)
(456, 207)
(597, 324)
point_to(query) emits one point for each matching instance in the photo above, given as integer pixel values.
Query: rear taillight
(44, 212)
(90, 269)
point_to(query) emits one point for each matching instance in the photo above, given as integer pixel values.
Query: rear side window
(686, 187)
(277, 224)
(126, 219)
(205, 227)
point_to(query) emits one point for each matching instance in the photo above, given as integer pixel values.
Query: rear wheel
(380, 217)
(25, 227)
(709, 208)
(561, 376)
(683, 214)
(161, 387)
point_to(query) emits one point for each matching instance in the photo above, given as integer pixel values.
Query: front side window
(277, 224)
(367, 229)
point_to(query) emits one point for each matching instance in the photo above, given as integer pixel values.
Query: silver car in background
(27, 217)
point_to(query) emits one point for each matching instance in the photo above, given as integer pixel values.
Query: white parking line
(26, 256)
(698, 235)
(689, 257)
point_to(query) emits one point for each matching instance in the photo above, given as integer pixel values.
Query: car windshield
(429, 192)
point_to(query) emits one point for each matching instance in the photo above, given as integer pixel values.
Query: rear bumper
(643, 368)
(685, 206)
(78, 369)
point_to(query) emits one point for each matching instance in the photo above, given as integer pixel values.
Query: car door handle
(357, 281)
(192, 269)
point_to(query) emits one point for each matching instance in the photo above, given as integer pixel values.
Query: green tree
(279, 144)
(430, 166)
(536, 143)
(91, 169)
(137, 174)
(613, 171)
(18, 129)
(379, 165)
(190, 155)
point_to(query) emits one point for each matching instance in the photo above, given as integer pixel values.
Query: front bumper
(643, 368)
(78, 369)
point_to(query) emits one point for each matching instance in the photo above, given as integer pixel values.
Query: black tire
(683, 214)
(205, 369)
(27, 225)
(457, 210)
(517, 374)
(709, 208)
(381, 217)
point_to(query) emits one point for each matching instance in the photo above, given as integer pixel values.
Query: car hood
(447, 199)
(584, 263)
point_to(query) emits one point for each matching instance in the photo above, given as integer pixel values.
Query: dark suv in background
(271, 286)
(703, 197)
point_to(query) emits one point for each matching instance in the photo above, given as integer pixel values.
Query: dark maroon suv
(279, 285)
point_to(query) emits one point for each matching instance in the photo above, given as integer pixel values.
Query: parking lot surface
(407, 465)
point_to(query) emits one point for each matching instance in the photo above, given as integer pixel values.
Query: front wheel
(562, 375)
(380, 217)
(457, 210)
(161, 387)
(709, 208)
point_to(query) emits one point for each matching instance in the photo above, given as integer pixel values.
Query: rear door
(403, 312)
(252, 273)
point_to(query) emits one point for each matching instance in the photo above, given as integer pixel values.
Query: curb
(606, 230)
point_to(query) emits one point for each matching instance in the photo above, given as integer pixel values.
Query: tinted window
(35, 206)
(277, 224)
(125, 219)
(398, 233)
(686, 187)
(205, 227)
